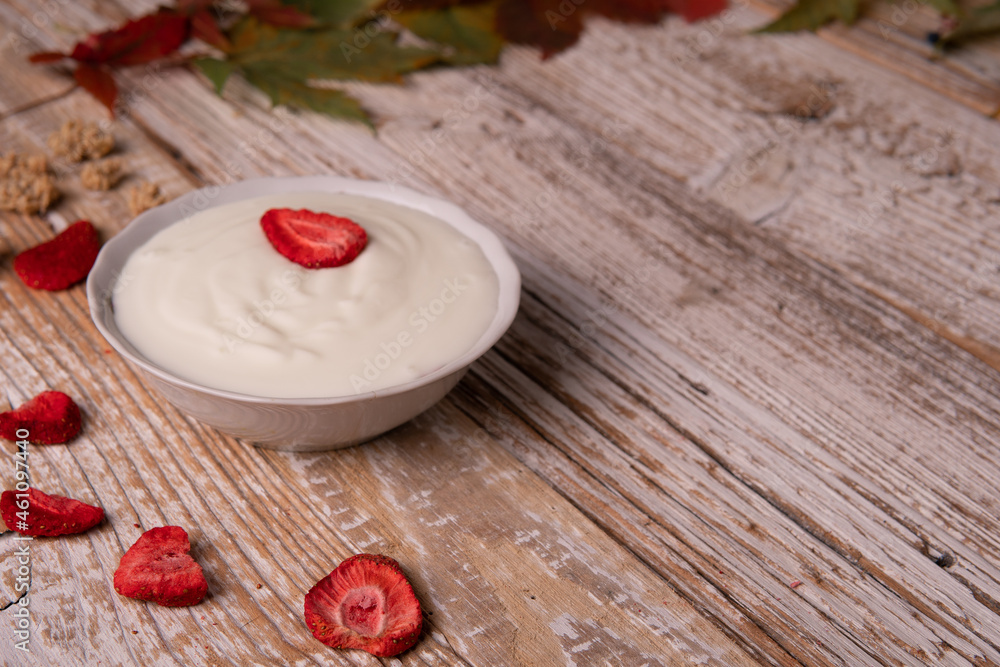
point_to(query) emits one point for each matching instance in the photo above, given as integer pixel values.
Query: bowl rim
(106, 271)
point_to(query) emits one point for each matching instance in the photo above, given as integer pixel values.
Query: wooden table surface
(749, 411)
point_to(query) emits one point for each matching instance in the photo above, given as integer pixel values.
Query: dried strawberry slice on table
(365, 603)
(61, 262)
(51, 418)
(159, 568)
(42, 515)
(313, 240)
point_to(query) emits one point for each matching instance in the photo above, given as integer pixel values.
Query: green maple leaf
(339, 13)
(468, 32)
(217, 71)
(301, 55)
(813, 14)
(330, 101)
(285, 63)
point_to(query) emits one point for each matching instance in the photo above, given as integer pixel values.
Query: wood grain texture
(734, 422)
(896, 36)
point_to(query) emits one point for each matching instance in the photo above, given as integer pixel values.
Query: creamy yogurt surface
(210, 300)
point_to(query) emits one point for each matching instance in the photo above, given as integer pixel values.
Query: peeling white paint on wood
(745, 358)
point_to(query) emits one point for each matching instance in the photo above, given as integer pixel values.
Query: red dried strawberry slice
(38, 514)
(51, 418)
(158, 568)
(61, 262)
(313, 240)
(366, 603)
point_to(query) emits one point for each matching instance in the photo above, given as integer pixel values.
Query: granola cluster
(101, 175)
(144, 196)
(26, 186)
(77, 141)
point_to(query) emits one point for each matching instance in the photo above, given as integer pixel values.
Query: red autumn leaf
(46, 57)
(695, 10)
(139, 41)
(555, 25)
(540, 23)
(194, 6)
(279, 15)
(97, 81)
(206, 28)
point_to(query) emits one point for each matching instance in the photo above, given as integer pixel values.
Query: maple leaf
(97, 80)
(651, 11)
(300, 55)
(813, 14)
(287, 63)
(468, 32)
(540, 23)
(205, 26)
(215, 70)
(273, 12)
(339, 13)
(138, 41)
(554, 25)
(330, 101)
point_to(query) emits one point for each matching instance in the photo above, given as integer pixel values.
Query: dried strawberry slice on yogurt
(311, 239)
(365, 603)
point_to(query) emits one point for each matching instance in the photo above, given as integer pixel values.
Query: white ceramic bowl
(299, 424)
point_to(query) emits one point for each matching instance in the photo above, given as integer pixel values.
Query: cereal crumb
(102, 175)
(795, 584)
(26, 186)
(144, 196)
(77, 141)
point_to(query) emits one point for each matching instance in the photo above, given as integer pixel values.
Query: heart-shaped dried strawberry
(36, 513)
(365, 603)
(313, 240)
(51, 418)
(159, 568)
(61, 262)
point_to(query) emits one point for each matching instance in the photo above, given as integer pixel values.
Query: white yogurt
(210, 300)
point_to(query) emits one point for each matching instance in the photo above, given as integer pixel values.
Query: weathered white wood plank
(776, 424)
(278, 521)
(896, 36)
(526, 178)
(884, 181)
